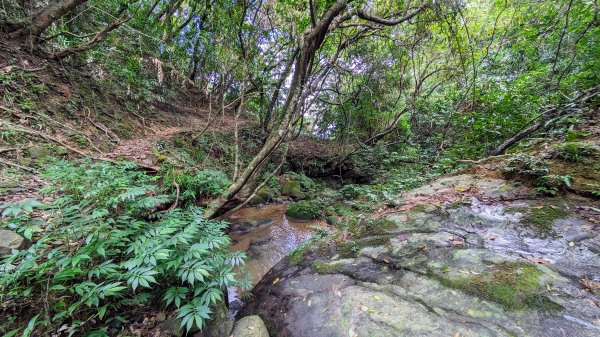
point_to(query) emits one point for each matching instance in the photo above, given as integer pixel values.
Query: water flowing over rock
(463, 256)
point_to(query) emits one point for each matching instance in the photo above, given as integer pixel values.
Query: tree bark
(36, 24)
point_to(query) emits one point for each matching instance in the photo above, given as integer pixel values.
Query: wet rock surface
(465, 255)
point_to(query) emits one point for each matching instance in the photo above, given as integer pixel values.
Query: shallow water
(266, 235)
(271, 239)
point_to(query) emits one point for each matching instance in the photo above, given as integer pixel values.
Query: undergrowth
(104, 249)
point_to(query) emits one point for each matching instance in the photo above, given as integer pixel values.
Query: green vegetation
(322, 267)
(513, 285)
(574, 151)
(202, 184)
(104, 247)
(348, 249)
(340, 105)
(536, 171)
(296, 256)
(543, 217)
(306, 210)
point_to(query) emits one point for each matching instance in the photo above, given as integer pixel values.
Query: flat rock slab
(486, 259)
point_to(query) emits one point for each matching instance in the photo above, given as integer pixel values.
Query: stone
(293, 189)
(220, 325)
(9, 240)
(250, 326)
(444, 268)
(39, 151)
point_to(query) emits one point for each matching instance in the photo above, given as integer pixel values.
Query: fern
(104, 251)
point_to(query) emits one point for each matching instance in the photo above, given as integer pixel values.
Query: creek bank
(463, 255)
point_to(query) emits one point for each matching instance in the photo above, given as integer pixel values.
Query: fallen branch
(9, 149)
(68, 147)
(29, 169)
(176, 199)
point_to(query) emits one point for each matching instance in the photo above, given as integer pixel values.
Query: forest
(299, 168)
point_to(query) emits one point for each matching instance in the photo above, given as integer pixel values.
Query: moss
(306, 210)
(297, 255)
(513, 285)
(379, 226)
(543, 217)
(348, 249)
(322, 267)
(374, 241)
(293, 189)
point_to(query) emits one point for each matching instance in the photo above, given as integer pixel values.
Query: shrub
(103, 251)
(537, 171)
(574, 151)
(206, 183)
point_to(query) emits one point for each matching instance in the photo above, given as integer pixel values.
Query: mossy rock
(297, 255)
(39, 152)
(348, 249)
(513, 285)
(293, 189)
(306, 210)
(323, 267)
(332, 220)
(543, 217)
(263, 195)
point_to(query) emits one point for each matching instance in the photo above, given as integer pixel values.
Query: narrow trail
(139, 150)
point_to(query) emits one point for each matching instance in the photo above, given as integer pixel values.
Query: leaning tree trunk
(36, 24)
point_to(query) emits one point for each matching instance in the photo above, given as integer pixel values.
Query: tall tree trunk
(36, 24)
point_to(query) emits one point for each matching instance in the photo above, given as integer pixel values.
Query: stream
(266, 235)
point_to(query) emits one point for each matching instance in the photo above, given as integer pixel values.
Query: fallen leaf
(275, 281)
(571, 244)
(587, 227)
(548, 287)
(456, 334)
(250, 327)
(590, 285)
(538, 260)
(538, 207)
(553, 207)
(595, 209)
(309, 303)
(458, 242)
(376, 298)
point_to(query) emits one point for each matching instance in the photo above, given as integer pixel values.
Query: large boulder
(9, 240)
(250, 326)
(306, 210)
(462, 256)
(293, 189)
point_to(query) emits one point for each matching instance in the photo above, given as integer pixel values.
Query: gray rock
(220, 325)
(9, 240)
(250, 326)
(474, 268)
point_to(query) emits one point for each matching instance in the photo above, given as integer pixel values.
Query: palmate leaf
(142, 277)
(194, 314)
(175, 295)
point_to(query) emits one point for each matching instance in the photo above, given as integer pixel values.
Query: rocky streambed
(463, 256)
